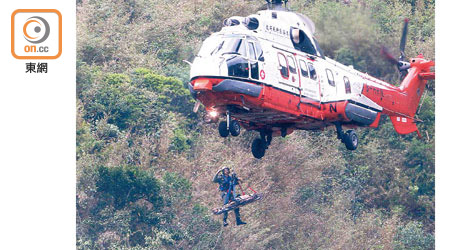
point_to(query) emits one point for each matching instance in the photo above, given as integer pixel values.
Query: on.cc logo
(40, 28)
(36, 34)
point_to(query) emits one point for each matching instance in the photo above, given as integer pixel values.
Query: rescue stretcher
(239, 201)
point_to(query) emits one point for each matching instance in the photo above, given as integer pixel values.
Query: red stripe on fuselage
(273, 107)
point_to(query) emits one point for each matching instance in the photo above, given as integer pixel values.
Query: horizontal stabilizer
(403, 125)
(427, 76)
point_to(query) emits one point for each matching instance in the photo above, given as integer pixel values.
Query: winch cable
(242, 190)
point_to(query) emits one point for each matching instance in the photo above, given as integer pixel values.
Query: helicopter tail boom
(413, 85)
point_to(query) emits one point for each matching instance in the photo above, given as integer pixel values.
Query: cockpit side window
(259, 52)
(302, 42)
(254, 68)
(251, 51)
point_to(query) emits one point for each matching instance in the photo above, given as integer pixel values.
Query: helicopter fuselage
(268, 72)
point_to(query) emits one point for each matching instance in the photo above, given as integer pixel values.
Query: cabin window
(302, 42)
(303, 68)
(291, 64)
(348, 89)
(283, 66)
(312, 71)
(330, 78)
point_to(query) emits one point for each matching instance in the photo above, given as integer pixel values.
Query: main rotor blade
(388, 56)
(403, 39)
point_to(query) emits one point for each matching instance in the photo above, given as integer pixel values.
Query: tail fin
(413, 85)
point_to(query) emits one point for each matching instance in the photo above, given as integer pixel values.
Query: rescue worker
(226, 187)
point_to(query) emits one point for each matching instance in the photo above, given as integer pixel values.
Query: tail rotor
(401, 64)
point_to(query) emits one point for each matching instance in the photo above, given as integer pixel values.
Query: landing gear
(229, 127)
(223, 130)
(258, 148)
(283, 132)
(235, 128)
(260, 145)
(349, 138)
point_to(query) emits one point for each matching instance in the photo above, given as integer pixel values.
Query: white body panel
(274, 37)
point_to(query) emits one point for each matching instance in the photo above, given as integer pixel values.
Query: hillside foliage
(145, 161)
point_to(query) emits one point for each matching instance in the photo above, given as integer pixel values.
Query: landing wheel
(223, 131)
(235, 128)
(350, 140)
(258, 148)
(283, 132)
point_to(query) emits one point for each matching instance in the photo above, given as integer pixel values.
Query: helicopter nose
(207, 67)
(202, 85)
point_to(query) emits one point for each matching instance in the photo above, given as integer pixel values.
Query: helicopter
(266, 72)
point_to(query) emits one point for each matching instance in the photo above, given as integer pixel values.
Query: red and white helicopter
(266, 72)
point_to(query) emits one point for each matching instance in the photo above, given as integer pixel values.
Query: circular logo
(36, 29)
(262, 74)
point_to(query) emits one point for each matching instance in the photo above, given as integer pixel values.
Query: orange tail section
(404, 125)
(412, 88)
(414, 83)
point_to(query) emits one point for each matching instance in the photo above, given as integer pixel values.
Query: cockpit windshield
(224, 45)
(208, 45)
(231, 45)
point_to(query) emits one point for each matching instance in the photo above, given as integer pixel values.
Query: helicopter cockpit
(238, 55)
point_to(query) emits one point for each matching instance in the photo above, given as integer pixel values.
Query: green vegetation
(145, 160)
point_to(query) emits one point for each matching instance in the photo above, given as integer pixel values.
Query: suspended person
(227, 183)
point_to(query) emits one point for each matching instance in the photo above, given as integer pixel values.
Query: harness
(231, 184)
